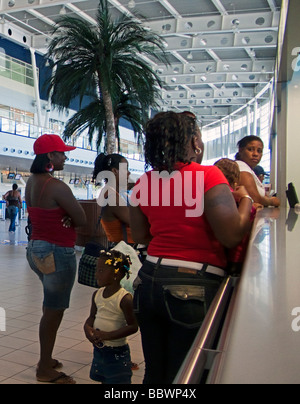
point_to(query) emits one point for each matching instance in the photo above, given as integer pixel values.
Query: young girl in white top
(111, 320)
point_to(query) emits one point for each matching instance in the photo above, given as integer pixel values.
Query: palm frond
(104, 61)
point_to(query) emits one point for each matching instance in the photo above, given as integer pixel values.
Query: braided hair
(167, 139)
(118, 261)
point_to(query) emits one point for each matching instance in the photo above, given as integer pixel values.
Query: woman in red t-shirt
(187, 214)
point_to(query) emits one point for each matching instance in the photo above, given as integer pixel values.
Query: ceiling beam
(21, 5)
(121, 8)
(219, 6)
(40, 16)
(272, 5)
(81, 14)
(170, 8)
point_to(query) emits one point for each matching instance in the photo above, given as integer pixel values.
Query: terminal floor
(21, 298)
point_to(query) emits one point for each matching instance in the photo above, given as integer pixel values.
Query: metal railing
(203, 348)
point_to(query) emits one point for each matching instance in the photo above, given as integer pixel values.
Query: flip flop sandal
(134, 366)
(62, 378)
(58, 365)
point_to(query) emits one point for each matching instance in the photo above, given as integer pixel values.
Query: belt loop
(204, 268)
(157, 265)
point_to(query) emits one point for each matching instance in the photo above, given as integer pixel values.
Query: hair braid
(167, 137)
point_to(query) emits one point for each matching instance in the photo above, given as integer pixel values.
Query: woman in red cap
(54, 213)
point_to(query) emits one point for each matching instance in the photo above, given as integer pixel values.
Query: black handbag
(292, 195)
(88, 264)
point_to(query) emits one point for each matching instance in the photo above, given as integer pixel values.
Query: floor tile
(21, 298)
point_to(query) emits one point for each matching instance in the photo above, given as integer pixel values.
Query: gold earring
(198, 150)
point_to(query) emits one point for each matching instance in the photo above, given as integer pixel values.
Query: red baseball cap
(50, 143)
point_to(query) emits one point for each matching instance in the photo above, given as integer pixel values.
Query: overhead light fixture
(63, 10)
(252, 52)
(235, 25)
(31, 1)
(190, 56)
(11, 3)
(131, 4)
(2, 20)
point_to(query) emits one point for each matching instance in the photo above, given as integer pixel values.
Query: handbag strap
(124, 230)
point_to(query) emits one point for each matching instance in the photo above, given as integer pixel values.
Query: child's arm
(130, 328)
(88, 325)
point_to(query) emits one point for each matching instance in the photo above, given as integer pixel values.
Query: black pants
(170, 307)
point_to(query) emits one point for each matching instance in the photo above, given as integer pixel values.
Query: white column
(288, 100)
(36, 87)
(255, 118)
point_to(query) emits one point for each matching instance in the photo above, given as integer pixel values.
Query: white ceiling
(222, 52)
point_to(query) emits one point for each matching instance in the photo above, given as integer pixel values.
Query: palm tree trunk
(110, 122)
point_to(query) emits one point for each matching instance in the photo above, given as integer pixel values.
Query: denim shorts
(59, 278)
(111, 365)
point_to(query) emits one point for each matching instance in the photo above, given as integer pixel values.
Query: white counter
(260, 345)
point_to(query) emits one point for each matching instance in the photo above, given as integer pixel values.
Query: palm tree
(92, 118)
(106, 65)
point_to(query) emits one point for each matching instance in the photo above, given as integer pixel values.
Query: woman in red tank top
(54, 214)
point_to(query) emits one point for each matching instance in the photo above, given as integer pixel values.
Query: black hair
(107, 162)
(244, 141)
(167, 139)
(118, 261)
(15, 187)
(39, 164)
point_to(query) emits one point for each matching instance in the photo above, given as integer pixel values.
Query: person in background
(260, 172)
(114, 217)
(13, 202)
(231, 170)
(54, 213)
(111, 321)
(186, 258)
(248, 157)
(236, 256)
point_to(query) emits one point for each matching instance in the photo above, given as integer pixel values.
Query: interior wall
(288, 106)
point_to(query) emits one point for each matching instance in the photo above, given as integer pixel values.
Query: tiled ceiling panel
(211, 44)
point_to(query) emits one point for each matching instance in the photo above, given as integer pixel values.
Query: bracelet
(247, 196)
